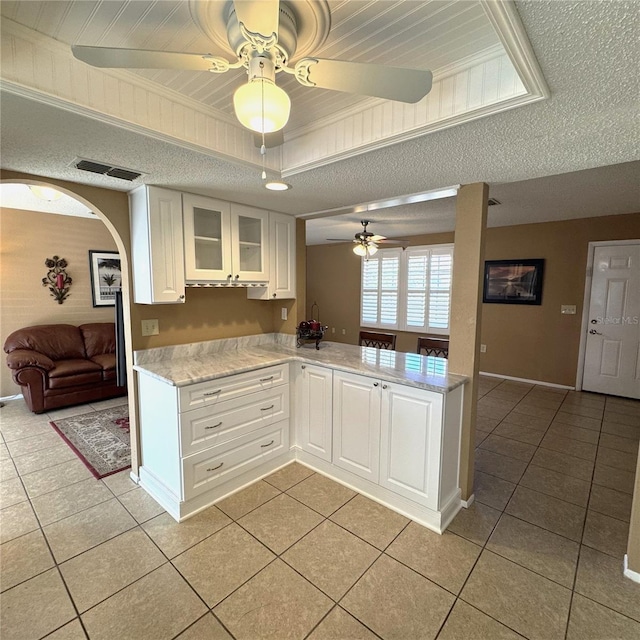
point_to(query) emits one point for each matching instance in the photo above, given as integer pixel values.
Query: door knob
(594, 322)
(593, 332)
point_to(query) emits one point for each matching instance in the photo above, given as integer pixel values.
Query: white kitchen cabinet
(356, 424)
(157, 246)
(249, 244)
(207, 239)
(411, 442)
(205, 440)
(282, 260)
(313, 395)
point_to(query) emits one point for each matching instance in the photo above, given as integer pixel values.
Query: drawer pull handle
(215, 468)
(266, 379)
(267, 408)
(212, 393)
(214, 426)
(262, 446)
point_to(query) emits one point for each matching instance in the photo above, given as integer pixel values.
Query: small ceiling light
(261, 105)
(277, 185)
(45, 193)
(365, 249)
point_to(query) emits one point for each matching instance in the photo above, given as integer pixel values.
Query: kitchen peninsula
(219, 415)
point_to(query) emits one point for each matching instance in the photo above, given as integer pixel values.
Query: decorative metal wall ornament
(57, 279)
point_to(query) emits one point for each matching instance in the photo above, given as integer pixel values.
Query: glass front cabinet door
(207, 239)
(249, 233)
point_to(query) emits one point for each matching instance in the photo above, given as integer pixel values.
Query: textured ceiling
(589, 54)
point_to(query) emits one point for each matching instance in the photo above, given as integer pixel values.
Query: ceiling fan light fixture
(45, 193)
(365, 249)
(262, 106)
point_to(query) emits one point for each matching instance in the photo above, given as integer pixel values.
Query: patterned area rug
(100, 439)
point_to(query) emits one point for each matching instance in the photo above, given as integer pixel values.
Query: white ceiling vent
(105, 169)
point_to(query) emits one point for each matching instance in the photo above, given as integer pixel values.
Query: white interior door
(612, 354)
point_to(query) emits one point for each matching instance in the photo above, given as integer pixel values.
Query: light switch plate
(150, 328)
(483, 348)
(568, 309)
(283, 313)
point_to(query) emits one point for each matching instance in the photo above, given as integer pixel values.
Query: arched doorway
(111, 209)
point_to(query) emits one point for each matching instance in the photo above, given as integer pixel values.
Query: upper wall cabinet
(282, 260)
(207, 238)
(249, 244)
(157, 245)
(224, 242)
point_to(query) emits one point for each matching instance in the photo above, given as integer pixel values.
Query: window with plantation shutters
(408, 290)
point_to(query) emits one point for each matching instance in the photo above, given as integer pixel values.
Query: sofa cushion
(70, 373)
(108, 363)
(56, 341)
(99, 338)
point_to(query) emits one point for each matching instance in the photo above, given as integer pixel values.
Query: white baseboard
(629, 573)
(538, 382)
(467, 503)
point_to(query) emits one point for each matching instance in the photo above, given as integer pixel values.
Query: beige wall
(536, 343)
(27, 238)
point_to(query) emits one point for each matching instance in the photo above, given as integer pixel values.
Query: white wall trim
(467, 503)
(538, 382)
(586, 302)
(630, 573)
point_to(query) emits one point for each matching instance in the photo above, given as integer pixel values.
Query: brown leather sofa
(58, 365)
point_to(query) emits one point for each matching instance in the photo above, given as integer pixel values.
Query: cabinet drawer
(212, 425)
(204, 470)
(211, 392)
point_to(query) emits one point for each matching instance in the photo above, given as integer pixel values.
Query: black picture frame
(513, 281)
(106, 277)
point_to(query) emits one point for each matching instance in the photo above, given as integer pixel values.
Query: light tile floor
(539, 555)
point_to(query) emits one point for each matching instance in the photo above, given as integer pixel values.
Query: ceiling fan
(366, 243)
(265, 35)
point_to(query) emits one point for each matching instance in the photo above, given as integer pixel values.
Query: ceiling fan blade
(144, 59)
(273, 139)
(377, 238)
(339, 240)
(258, 16)
(392, 83)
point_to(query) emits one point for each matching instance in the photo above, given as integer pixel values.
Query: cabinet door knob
(384, 386)
(304, 366)
(375, 384)
(237, 277)
(181, 297)
(274, 295)
(229, 277)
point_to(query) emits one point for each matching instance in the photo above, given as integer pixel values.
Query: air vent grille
(492, 202)
(106, 169)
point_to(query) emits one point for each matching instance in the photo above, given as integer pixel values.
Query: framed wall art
(106, 277)
(513, 281)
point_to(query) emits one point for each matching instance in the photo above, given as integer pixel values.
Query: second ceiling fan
(263, 35)
(366, 243)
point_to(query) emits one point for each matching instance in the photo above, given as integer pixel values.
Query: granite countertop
(391, 366)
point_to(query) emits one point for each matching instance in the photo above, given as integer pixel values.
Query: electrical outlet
(344, 332)
(333, 329)
(483, 348)
(568, 309)
(150, 328)
(283, 314)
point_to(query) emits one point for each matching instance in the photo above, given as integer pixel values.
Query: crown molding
(508, 25)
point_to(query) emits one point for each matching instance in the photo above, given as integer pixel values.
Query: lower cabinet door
(314, 419)
(209, 468)
(410, 442)
(356, 424)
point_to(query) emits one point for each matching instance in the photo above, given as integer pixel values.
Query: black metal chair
(378, 340)
(433, 346)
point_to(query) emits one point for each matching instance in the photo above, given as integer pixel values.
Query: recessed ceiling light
(277, 185)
